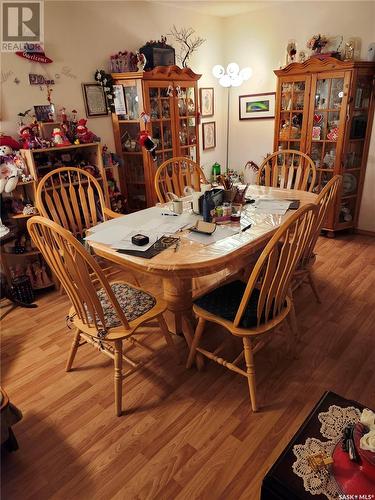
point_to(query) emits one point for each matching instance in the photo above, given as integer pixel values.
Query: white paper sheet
(220, 233)
(270, 206)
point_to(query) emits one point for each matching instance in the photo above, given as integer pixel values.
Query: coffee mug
(177, 206)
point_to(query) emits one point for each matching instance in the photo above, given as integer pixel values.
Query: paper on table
(269, 206)
(126, 244)
(220, 233)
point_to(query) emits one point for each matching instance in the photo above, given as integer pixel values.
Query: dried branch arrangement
(188, 44)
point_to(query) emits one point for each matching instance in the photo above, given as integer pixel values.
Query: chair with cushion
(74, 199)
(288, 169)
(325, 200)
(253, 310)
(175, 174)
(107, 315)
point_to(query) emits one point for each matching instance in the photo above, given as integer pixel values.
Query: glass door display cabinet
(164, 102)
(325, 108)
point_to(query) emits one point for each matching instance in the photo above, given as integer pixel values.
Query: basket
(22, 289)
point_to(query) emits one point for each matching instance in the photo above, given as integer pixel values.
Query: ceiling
(221, 8)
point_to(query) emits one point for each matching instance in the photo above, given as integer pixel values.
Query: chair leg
(195, 342)
(118, 377)
(313, 287)
(292, 319)
(250, 369)
(168, 336)
(73, 350)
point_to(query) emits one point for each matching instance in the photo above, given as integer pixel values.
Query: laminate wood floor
(184, 434)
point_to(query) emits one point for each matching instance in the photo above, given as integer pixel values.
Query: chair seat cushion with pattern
(132, 301)
(225, 300)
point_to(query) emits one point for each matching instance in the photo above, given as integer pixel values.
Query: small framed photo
(257, 106)
(207, 101)
(95, 100)
(209, 135)
(44, 113)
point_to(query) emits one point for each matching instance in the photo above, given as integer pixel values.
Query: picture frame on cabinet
(206, 96)
(209, 135)
(94, 99)
(255, 106)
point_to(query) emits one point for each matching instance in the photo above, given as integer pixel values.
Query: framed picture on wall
(207, 101)
(44, 112)
(257, 106)
(209, 135)
(95, 100)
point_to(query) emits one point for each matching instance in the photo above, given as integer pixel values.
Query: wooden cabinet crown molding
(315, 64)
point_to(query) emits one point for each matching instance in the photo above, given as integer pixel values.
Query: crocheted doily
(333, 422)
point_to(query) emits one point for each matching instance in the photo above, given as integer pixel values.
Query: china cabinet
(325, 108)
(164, 102)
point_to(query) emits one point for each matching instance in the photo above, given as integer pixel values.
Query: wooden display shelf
(24, 254)
(345, 76)
(20, 216)
(62, 148)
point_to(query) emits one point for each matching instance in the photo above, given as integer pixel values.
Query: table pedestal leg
(178, 295)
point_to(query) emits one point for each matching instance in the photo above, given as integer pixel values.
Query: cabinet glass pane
(363, 92)
(183, 133)
(321, 95)
(132, 102)
(332, 130)
(129, 133)
(337, 93)
(165, 108)
(155, 109)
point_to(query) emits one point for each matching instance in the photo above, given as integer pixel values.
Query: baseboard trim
(365, 233)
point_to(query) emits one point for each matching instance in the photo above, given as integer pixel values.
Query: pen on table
(245, 228)
(171, 215)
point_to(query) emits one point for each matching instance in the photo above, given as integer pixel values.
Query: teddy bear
(83, 135)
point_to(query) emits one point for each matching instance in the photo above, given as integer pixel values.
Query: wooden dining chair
(106, 315)
(175, 174)
(325, 199)
(288, 169)
(73, 198)
(257, 308)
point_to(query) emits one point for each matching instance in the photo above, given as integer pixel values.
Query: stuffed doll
(12, 165)
(146, 141)
(84, 135)
(59, 138)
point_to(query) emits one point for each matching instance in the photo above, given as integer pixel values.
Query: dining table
(178, 266)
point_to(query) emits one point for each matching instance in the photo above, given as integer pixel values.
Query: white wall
(259, 39)
(80, 36)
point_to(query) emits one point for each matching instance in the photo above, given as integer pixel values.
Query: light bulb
(236, 81)
(246, 73)
(233, 69)
(218, 71)
(225, 81)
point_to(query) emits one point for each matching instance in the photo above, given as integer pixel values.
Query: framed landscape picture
(257, 106)
(207, 101)
(95, 99)
(209, 135)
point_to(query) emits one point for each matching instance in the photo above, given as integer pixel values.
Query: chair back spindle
(175, 174)
(274, 269)
(288, 169)
(77, 270)
(324, 201)
(71, 197)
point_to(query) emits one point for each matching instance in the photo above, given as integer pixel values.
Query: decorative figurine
(58, 138)
(291, 51)
(349, 51)
(141, 61)
(84, 135)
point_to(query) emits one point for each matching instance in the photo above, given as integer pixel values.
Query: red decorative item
(146, 141)
(333, 134)
(83, 134)
(26, 137)
(39, 57)
(7, 140)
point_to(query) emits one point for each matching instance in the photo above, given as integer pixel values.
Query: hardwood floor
(184, 434)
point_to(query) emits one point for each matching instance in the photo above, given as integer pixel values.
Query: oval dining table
(177, 267)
